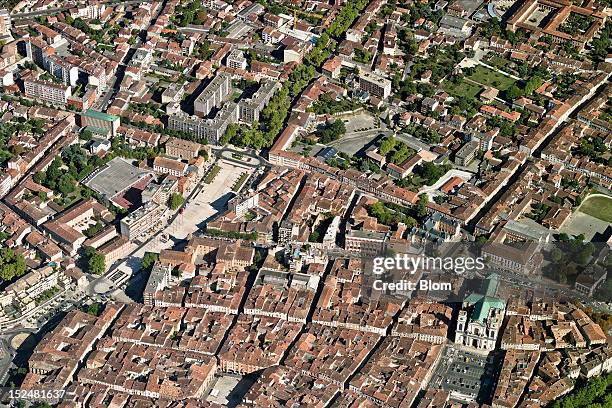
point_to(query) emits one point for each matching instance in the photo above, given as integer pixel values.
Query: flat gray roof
(118, 175)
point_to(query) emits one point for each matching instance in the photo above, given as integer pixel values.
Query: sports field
(598, 206)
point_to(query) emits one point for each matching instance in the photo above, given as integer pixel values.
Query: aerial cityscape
(304, 203)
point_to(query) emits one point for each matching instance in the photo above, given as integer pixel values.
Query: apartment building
(5, 24)
(55, 94)
(90, 11)
(212, 96)
(160, 193)
(366, 243)
(58, 67)
(45, 57)
(36, 50)
(27, 288)
(210, 129)
(173, 93)
(158, 280)
(374, 84)
(466, 154)
(252, 107)
(143, 221)
(236, 60)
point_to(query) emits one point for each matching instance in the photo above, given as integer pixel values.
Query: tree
(596, 389)
(556, 255)
(387, 145)
(401, 153)
(94, 309)
(431, 172)
(148, 260)
(176, 200)
(333, 131)
(11, 264)
(534, 83)
(481, 240)
(562, 276)
(364, 167)
(422, 205)
(86, 135)
(514, 92)
(95, 261)
(66, 184)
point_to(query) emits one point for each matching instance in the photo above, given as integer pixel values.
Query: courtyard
(361, 129)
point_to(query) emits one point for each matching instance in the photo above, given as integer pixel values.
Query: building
(114, 250)
(165, 165)
(101, 120)
(30, 286)
(516, 258)
(160, 193)
(466, 154)
(158, 280)
(241, 205)
(366, 243)
(374, 84)
(61, 69)
(37, 50)
(213, 95)
(182, 149)
(5, 24)
(456, 26)
(549, 17)
(209, 129)
(144, 221)
(480, 317)
(6, 78)
(236, 60)
(173, 93)
(55, 94)
(252, 107)
(587, 283)
(68, 228)
(332, 67)
(91, 11)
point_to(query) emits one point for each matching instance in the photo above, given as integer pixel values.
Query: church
(481, 317)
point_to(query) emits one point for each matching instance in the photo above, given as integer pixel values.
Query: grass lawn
(487, 76)
(212, 173)
(463, 89)
(238, 184)
(499, 62)
(598, 207)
